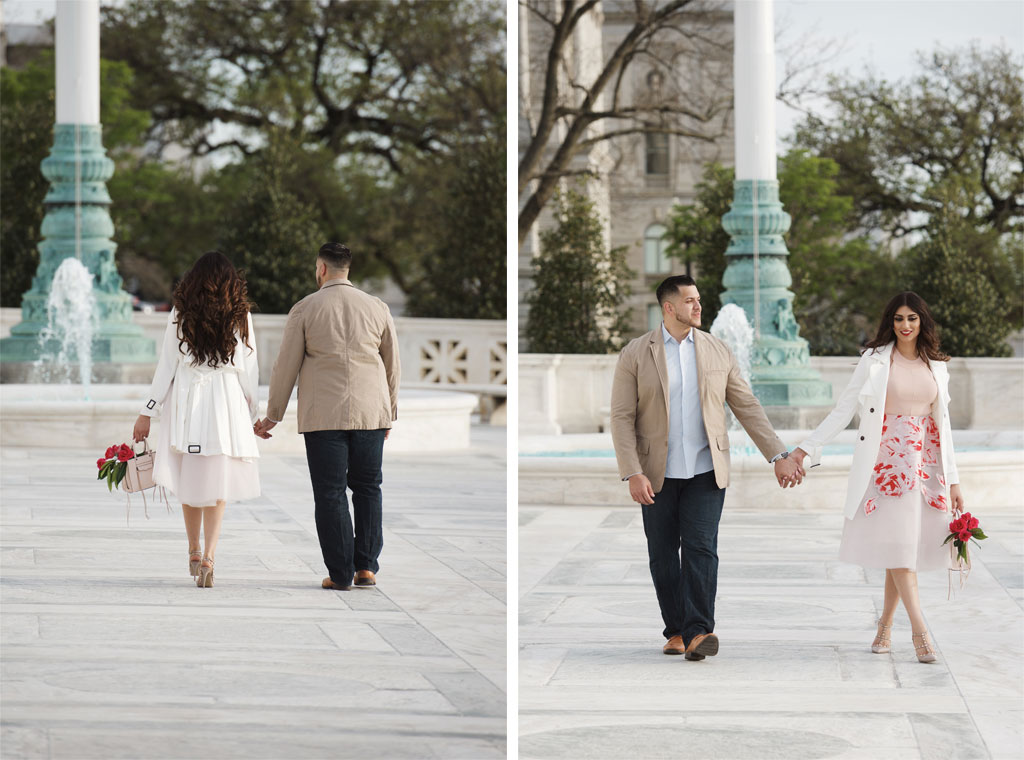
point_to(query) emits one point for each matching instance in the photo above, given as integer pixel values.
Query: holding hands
(789, 471)
(263, 427)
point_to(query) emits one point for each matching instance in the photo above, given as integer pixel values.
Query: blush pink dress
(903, 515)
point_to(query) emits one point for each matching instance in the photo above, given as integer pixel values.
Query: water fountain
(66, 342)
(731, 327)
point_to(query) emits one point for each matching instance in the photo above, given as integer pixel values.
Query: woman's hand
(957, 498)
(797, 455)
(141, 429)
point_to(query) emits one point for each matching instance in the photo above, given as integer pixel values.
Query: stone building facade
(637, 178)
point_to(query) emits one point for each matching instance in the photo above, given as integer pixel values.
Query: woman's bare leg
(889, 605)
(906, 585)
(193, 522)
(212, 518)
(891, 601)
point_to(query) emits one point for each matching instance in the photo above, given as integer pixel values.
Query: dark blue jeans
(682, 543)
(340, 459)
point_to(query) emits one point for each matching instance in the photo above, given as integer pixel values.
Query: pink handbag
(139, 475)
(138, 478)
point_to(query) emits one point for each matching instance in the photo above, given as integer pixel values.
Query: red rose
(124, 453)
(99, 463)
(964, 535)
(972, 524)
(957, 525)
(966, 517)
(111, 452)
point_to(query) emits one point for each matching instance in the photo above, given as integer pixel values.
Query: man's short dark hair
(336, 255)
(670, 286)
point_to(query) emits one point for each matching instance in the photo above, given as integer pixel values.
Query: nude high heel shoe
(194, 558)
(205, 579)
(882, 647)
(924, 650)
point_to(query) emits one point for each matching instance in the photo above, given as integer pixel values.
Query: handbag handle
(145, 446)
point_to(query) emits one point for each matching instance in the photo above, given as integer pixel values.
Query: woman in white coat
(205, 389)
(903, 479)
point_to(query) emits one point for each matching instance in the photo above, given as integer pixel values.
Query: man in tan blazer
(671, 444)
(340, 343)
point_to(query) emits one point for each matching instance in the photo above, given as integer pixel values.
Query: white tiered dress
(206, 449)
(904, 514)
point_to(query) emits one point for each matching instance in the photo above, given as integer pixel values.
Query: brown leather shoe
(365, 578)
(674, 646)
(328, 583)
(702, 645)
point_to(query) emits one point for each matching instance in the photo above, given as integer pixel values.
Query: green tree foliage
(377, 99)
(841, 281)
(366, 107)
(960, 119)
(273, 236)
(960, 272)
(695, 236)
(26, 137)
(579, 285)
(466, 274)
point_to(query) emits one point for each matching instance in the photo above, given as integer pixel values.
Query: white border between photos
(512, 379)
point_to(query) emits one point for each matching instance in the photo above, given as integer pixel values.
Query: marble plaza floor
(110, 651)
(794, 678)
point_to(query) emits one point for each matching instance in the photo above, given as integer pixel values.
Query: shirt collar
(335, 281)
(667, 336)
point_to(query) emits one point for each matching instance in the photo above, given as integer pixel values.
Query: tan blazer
(340, 342)
(640, 407)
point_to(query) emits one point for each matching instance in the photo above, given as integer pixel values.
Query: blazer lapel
(698, 354)
(658, 354)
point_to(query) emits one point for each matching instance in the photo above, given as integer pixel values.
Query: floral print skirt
(904, 513)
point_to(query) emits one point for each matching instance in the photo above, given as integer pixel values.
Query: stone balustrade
(456, 354)
(570, 393)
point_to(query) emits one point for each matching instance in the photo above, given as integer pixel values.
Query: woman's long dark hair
(212, 302)
(927, 338)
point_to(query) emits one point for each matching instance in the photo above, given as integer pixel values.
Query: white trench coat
(206, 411)
(866, 394)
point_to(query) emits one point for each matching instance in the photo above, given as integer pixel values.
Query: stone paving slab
(110, 651)
(794, 678)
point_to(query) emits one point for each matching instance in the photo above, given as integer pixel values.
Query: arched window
(655, 261)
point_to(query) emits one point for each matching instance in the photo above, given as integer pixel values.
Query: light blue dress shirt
(689, 453)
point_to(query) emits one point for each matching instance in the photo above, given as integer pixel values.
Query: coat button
(872, 410)
(862, 438)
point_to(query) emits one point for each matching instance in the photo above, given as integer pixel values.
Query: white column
(754, 87)
(78, 61)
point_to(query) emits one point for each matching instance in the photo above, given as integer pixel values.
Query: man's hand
(387, 433)
(640, 489)
(263, 427)
(141, 429)
(788, 472)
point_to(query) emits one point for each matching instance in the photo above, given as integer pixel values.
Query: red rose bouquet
(114, 464)
(962, 530)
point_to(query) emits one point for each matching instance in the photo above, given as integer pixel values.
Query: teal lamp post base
(77, 224)
(780, 370)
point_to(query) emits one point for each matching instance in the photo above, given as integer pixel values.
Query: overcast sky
(887, 34)
(883, 34)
